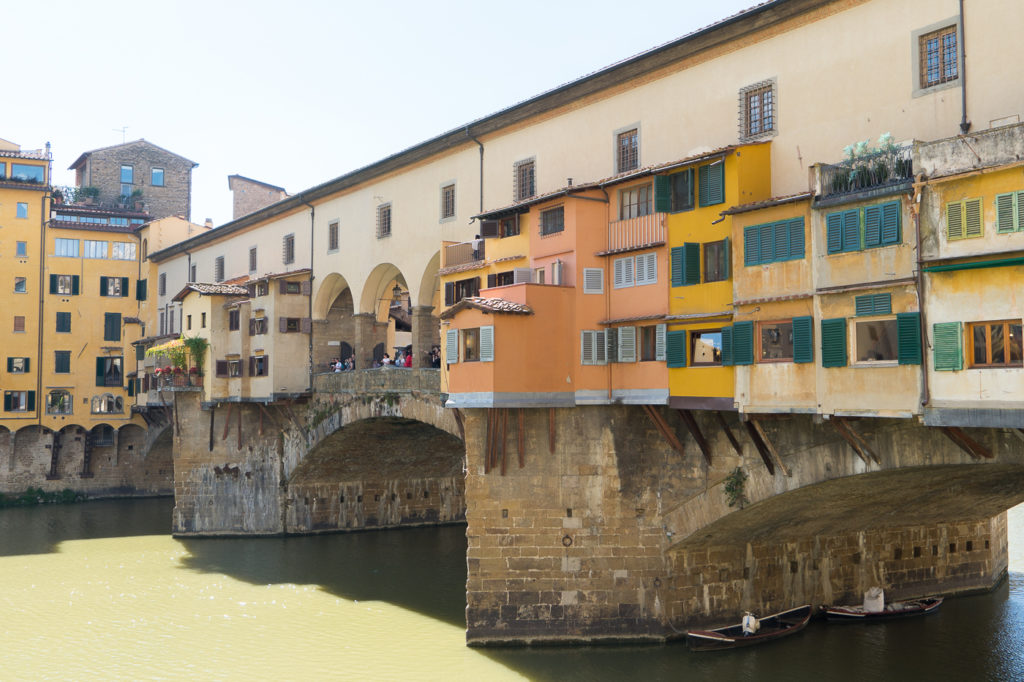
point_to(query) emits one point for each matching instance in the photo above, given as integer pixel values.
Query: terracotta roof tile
(487, 305)
(211, 290)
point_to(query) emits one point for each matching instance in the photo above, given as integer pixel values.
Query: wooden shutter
(28, 365)
(873, 304)
(1006, 212)
(675, 348)
(492, 280)
(743, 343)
(691, 263)
(851, 230)
(796, 238)
(525, 276)
(702, 185)
(74, 285)
(31, 403)
(908, 338)
(662, 194)
(803, 339)
(676, 258)
(140, 290)
(306, 325)
(727, 258)
(266, 366)
(487, 343)
(586, 347)
(611, 338)
(659, 343)
(282, 286)
(474, 283)
(767, 240)
(131, 387)
(10, 364)
(780, 236)
(124, 286)
(647, 269)
(623, 272)
(252, 290)
(891, 222)
(751, 245)
(252, 365)
(100, 365)
(449, 293)
(252, 326)
(834, 232)
(947, 347)
(627, 344)
(955, 220)
(833, 342)
(305, 287)
(712, 183)
(53, 284)
(727, 346)
(973, 226)
(593, 280)
(488, 229)
(103, 285)
(600, 348)
(451, 346)
(221, 368)
(873, 226)
(282, 324)
(7, 401)
(112, 326)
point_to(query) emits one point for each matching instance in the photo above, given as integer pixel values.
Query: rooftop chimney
(208, 223)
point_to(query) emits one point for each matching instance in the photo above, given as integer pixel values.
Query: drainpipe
(478, 144)
(42, 283)
(312, 217)
(608, 286)
(915, 207)
(965, 125)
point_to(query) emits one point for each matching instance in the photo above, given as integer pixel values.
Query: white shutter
(627, 344)
(556, 273)
(522, 275)
(647, 269)
(593, 280)
(659, 343)
(586, 347)
(628, 268)
(451, 346)
(600, 349)
(487, 343)
(617, 277)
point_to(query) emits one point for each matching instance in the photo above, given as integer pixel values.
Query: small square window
(552, 220)
(758, 110)
(876, 341)
(20, 285)
(233, 320)
(22, 209)
(681, 190)
(156, 177)
(17, 365)
(21, 249)
(706, 348)
(291, 325)
(995, 344)
(262, 288)
(627, 150)
(775, 342)
(62, 361)
(448, 202)
(234, 368)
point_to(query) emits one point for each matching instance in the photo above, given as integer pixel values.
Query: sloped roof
(211, 290)
(487, 305)
(254, 182)
(81, 159)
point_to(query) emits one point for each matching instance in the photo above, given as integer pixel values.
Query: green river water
(100, 591)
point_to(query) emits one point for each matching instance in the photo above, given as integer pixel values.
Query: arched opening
(334, 338)
(131, 441)
(379, 472)
(67, 452)
(30, 453)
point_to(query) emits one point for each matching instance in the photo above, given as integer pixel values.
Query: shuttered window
(627, 344)
(593, 281)
(1010, 212)
(64, 322)
(623, 272)
(111, 326)
(675, 348)
(140, 290)
(803, 339)
(685, 264)
(487, 343)
(861, 228)
(593, 347)
(659, 342)
(727, 354)
(743, 343)
(646, 269)
(947, 347)
(908, 332)
(711, 183)
(673, 193)
(773, 242)
(963, 219)
(873, 304)
(451, 346)
(833, 342)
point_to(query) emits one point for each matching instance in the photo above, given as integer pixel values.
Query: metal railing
(887, 167)
(462, 253)
(647, 229)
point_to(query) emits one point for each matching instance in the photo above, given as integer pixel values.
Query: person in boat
(750, 624)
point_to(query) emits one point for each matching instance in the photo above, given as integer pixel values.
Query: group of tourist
(403, 358)
(339, 365)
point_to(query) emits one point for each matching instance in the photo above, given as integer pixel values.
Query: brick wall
(103, 170)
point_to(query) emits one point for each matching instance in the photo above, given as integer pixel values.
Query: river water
(100, 591)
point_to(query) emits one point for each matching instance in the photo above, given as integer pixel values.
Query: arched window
(102, 435)
(107, 404)
(58, 402)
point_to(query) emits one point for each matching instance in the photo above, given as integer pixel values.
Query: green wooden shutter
(10, 364)
(796, 238)
(751, 245)
(140, 290)
(873, 226)
(743, 343)
(31, 403)
(833, 342)
(973, 226)
(675, 348)
(727, 346)
(124, 286)
(955, 220)
(767, 240)
(947, 347)
(891, 222)
(1006, 213)
(28, 365)
(99, 371)
(715, 183)
(74, 285)
(851, 230)
(691, 263)
(7, 401)
(834, 232)
(702, 185)
(111, 326)
(803, 339)
(780, 238)
(662, 194)
(677, 266)
(908, 338)
(53, 284)
(103, 286)
(873, 304)
(131, 387)
(727, 255)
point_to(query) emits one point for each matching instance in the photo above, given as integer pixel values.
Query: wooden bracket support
(691, 424)
(521, 438)
(728, 433)
(551, 430)
(972, 447)
(856, 441)
(458, 422)
(762, 449)
(664, 429)
(771, 448)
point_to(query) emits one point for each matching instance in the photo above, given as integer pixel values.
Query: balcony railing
(171, 381)
(463, 253)
(634, 232)
(887, 167)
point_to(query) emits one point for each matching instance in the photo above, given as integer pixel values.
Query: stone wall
(172, 199)
(249, 196)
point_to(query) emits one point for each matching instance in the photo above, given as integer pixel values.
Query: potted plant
(88, 194)
(136, 199)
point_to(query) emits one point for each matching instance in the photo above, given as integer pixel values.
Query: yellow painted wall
(776, 386)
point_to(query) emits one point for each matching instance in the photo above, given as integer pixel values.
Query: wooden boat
(732, 637)
(896, 609)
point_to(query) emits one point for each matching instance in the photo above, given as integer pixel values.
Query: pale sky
(297, 93)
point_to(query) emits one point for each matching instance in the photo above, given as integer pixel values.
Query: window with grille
(252, 259)
(524, 183)
(552, 220)
(162, 284)
(332, 236)
(635, 202)
(384, 221)
(287, 250)
(19, 323)
(937, 52)
(627, 150)
(448, 202)
(218, 269)
(757, 110)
